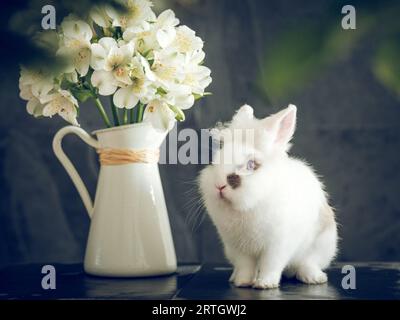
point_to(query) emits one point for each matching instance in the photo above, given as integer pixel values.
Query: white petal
(147, 69)
(166, 36)
(197, 57)
(50, 109)
(122, 75)
(69, 114)
(159, 115)
(104, 81)
(124, 98)
(41, 88)
(70, 99)
(98, 56)
(34, 107)
(112, 13)
(99, 16)
(73, 28)
(128, 50)
(25, 91)
(47, 98)
(168, 18)
(115, 57)
(180, 96)
(82, 64)
(185, 102)
(71, 76)
(108, 43)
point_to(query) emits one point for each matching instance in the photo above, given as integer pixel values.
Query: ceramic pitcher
(130, 234)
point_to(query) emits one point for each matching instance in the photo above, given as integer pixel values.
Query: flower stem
(114, 112)
(140, 112)
(125, 116)
(102, 112)
(132, 115)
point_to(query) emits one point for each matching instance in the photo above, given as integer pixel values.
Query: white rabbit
(270, 210)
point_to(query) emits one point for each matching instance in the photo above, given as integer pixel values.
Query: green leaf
(146, 53)
(161, 91)
(82, 94)
(199, 96)
(179, 115)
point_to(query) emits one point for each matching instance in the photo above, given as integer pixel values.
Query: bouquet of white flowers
(150, 66)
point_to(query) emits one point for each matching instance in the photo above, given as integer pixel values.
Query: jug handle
(69, 167)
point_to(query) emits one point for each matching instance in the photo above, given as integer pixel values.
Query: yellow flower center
(82, 55)
(114, 62)
(120, 71)
(184, 43)
(123, 21)
(143, 34)
(190, 80)
(74, 44)
(165, 72)
(134, 73)
(137, 85)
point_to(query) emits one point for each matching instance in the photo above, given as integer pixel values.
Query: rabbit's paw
(242, 282)
(312, 276)
(269, 281)
(242, 279)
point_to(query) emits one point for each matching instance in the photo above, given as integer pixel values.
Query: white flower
(34, 107)
(34, 85)
(62, 103)
(159, 115)
(196, 76)
(143, 37)
(136, 12)
(165, 28)
(105, 82)
(141, 88)
(75, 44)
(111, 61)
(180, 96)
(156, 63)
(71, 77)
(185, 41)
(154, 36)
(167, 68)
(100, 17)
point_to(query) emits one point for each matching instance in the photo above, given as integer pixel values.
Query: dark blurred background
(268, 53)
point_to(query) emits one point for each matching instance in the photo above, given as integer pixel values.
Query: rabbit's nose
(220, 188)
(234, 180)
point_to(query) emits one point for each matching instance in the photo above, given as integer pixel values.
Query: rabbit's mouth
(224, 199)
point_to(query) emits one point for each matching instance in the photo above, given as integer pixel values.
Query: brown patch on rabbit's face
(234, 180)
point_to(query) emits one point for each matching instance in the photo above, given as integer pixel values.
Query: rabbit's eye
(252, 165)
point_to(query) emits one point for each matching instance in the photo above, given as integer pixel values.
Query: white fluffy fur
(278, 220)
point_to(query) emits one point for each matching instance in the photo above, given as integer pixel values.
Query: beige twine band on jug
(113, 157)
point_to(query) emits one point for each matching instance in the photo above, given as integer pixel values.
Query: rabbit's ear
(245, 112)
(282, 125)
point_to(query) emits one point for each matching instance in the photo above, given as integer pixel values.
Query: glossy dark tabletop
(373, 281)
